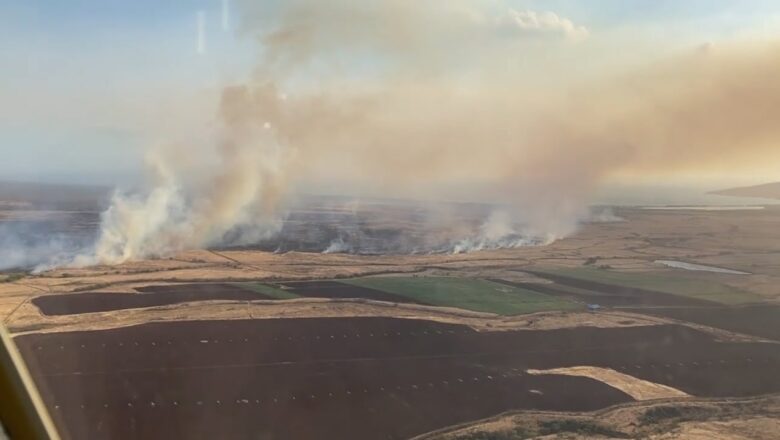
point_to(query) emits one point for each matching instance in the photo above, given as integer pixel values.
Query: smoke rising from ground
(428, 99)
(43, 239)
(234, 198)
(20, 247)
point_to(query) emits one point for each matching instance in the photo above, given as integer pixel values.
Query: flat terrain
(464, 293)
(324, 379)
(470, 294)
(154, 296)
(763, 320)
(617, 253)
(334, 289)
(358, 377)
(268, 290)
(594, 292)
(219, 355)
(656, 286)
(636, 388)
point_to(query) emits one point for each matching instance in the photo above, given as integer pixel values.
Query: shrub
(658, 413)
(578, 427)
(515, 434)
(11, 277)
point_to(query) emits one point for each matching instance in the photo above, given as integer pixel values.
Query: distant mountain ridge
(765, 191)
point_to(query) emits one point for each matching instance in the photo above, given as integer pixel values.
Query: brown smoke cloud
(416, 99)
(416, 123)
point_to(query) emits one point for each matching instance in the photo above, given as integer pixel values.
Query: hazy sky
(87, 86)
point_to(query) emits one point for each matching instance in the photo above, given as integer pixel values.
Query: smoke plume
(424, 99)
(41, 239)
(234, 198)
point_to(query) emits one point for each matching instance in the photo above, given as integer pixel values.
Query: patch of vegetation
(662, 281)
(590, 261)
(267, 289)
(581, 427)
(515, 434)
(11, 277)
(466, 293)
(584, 428)
(91, 287)
(679, 413)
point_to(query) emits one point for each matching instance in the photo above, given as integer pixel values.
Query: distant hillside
(766, 191)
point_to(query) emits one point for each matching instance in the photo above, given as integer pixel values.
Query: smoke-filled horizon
(425, 116)
(445, 100)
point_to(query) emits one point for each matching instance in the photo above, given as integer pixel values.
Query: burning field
(393, 219)
(242, 342)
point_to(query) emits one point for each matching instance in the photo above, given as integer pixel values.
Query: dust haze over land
(416, 99)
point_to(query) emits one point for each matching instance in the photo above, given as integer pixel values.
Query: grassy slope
(466, 293)
(266, 289)
(678, 284)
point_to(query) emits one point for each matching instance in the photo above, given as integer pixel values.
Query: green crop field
(663, 281)
(267, 289)
(466, 293)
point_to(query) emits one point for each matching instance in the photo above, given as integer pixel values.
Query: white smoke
(603, 215)
(431, 108)
(499, 232)
(338, 246)
(42, 252)
(233, 199)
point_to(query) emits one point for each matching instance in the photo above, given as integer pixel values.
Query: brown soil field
(621, 295)
(318, 379)
(29, 319)
(700, 361)
(605, 294)
(763, 320)
(358, 377)
(90, 302)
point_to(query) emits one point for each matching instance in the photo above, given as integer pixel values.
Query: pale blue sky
(87, 85)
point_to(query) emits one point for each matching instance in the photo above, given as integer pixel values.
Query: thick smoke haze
(424, 100)
(189, 205)
(29, 245)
